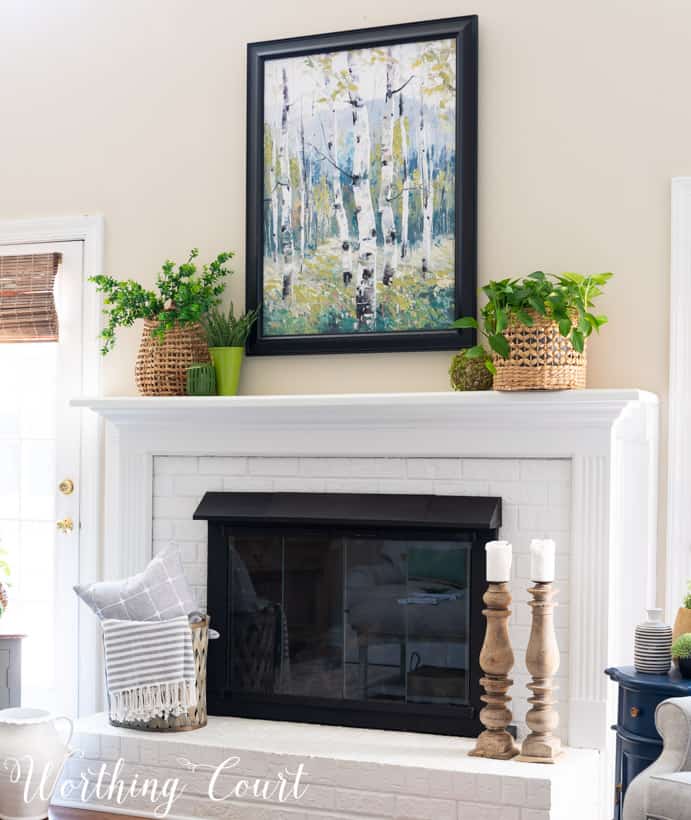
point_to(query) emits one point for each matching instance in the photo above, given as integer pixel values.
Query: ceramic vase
(653, 645)
(228, 364)
(30, 736)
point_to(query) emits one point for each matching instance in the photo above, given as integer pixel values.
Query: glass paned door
(39, 448)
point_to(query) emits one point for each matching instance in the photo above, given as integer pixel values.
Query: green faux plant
(687, 599)
(226, 329)
(183, 296)
(681, 648)
(566, 298)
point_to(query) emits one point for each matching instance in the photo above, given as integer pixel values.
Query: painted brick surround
(535, 496)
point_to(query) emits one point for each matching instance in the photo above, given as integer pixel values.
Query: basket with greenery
(536, 329)
(173, 337)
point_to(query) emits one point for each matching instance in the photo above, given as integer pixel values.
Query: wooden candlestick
(542, 660)
(496, 661)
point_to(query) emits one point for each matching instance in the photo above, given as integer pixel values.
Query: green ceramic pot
(228, 364)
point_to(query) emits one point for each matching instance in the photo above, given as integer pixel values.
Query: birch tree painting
(359, 178)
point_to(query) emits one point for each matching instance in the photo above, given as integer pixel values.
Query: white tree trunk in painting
(426, 192)
(307, 185)
(337, 193)
(405, 194)
(286, 198)
(366, 290)
(388, 223)
(274, 204)
(302, 194)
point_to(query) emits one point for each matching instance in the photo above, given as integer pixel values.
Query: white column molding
(679, 438)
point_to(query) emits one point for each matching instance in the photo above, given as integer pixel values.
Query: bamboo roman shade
(27, 305)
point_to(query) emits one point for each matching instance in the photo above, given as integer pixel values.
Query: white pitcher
(31, 749)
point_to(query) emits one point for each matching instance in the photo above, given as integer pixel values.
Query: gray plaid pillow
(157, 594)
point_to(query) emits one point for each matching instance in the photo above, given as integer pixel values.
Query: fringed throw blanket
(149, 668)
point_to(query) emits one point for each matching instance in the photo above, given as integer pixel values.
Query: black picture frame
(465, 32)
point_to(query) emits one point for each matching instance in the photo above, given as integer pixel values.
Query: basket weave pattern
(161, 368)
(196, 717)
(540, 358)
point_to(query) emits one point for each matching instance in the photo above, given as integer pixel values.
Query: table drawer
(637, 711)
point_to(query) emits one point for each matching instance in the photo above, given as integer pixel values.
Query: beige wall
(135, 110)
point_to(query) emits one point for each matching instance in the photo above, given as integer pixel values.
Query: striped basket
(540, 358)
(196, 717)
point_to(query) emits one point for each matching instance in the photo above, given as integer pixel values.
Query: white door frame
(679, 401)
(89, 230)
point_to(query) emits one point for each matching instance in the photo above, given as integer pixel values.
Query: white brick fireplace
(535, 495)
(580, 467)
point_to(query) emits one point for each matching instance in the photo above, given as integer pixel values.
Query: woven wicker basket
(196, 717)
(540, 358)
(161, 368)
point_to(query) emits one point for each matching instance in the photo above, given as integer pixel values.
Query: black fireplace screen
(340, 615)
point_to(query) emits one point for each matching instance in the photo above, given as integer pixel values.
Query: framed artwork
(361, 189)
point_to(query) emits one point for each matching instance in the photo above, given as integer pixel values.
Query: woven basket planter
(161, 368)
(196, 717)
(540, 358)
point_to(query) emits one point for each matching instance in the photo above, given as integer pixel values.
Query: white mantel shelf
(530, 423)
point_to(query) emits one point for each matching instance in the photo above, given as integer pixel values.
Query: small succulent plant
(681, 648)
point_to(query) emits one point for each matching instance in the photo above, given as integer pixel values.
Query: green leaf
(577, 341)
(524, 318)
(538, 274)
(537, 305)
(477, 352)
(489, 364)
(502, 320)
(565, 326)
(465, 321)
(499, 345)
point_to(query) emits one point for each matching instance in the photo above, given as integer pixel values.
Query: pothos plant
(183, 296)
(566, 298)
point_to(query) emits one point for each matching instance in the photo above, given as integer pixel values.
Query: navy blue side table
(638, 743)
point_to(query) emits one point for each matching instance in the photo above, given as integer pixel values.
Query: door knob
(65, 525)
(66, 486)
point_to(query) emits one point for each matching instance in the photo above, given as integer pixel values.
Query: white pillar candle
(498, 561)
(542, 560)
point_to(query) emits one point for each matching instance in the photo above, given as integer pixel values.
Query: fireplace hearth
(348, 609)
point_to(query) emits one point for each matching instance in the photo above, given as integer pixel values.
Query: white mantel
(610, 438)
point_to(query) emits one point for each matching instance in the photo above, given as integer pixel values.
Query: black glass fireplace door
(349, 618)
(364, 630)
(349, 610)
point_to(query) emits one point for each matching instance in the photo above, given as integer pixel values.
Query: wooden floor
(79, 814)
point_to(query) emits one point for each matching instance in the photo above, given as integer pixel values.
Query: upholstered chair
(663, 790)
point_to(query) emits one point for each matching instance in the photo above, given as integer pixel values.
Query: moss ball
(469, 374)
